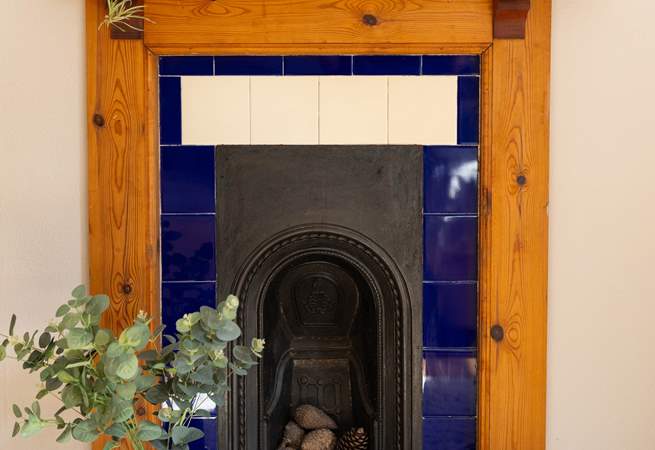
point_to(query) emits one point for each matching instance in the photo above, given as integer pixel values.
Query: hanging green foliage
(101, 377)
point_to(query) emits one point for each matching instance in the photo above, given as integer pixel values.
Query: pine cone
(312, 418)
(322, 439)
(355, 439)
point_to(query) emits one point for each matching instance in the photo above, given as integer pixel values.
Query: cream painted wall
(602, 227)
(602, 299)
(42, 178)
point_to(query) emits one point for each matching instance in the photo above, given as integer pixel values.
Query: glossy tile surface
(449, 383)
(449, 433)
(451, 65)
(187, 179)
(318, 65)
(468, 110)
(386, 65)
(210, 428)
(248, 65)
(363, 121)
(450, 248)
(422, 110)
(187, 246)
(450, 315)
(186, 65)
(284, 110)
(450, 179)
(183, 298)
(215, 110)
(170, 112)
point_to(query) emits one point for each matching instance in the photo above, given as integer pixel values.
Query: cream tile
(423, 110)
(353, 110)
(284, 110)
(215, 110)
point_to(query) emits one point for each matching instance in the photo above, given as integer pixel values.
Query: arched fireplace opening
(332, 284)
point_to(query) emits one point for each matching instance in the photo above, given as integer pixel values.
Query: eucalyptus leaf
(62, 310)
(136, 336)
(79, 338)
(12, 324)
(243, 354)
(228, 331)
(126, 390)
(148, 431)
(44, 340)
(32, 426)
(184, 435)
(79, 291)
(103, 338)
(116, 430)
(17, 412)
(3, 352)
(16, 430)
(66, 435)
(85, 431)
(97, 305)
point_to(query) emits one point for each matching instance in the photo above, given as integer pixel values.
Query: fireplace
(323, 246)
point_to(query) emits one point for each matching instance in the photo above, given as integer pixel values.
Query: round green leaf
(148, 431)
(97, 305)
(128, 367)
(136, 336)
(126, 390)
(79, 338)
(85, 431)
(103, 337)
(183, 435)
(17, 412)
(243, 354)
(62, 310)
(228, 331)
(3, 352)
(79, 291)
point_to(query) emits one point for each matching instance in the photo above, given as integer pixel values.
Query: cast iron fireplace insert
(323, 245)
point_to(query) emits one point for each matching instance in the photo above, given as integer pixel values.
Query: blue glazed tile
(187, 247)
(450, 248)
(450, 315)
(187, 179)
(248, 65)
(387, 65)
(468, 110)
(450, 179)
(178, 299)
(451, 65)
(318, 65)
(449, 433)
(210, 428)
(170, 111)
(449, 383)
(186, 65)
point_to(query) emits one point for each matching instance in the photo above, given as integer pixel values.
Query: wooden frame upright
(122, 105)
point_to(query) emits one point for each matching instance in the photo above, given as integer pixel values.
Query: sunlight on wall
(42, 180)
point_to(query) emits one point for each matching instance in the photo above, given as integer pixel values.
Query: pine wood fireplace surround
(513, 39)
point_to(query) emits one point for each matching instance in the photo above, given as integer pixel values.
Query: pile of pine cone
(313, 429)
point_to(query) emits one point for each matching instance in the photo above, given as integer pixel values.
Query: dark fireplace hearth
(323, 245)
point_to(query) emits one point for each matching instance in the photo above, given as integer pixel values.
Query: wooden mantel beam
(509, 18)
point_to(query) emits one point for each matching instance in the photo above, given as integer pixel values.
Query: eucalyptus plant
(100, 378)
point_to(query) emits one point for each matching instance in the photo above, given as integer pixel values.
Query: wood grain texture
(513, 219)
(122, 174)
(509, 18)
(204, 24)
(516, 268)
